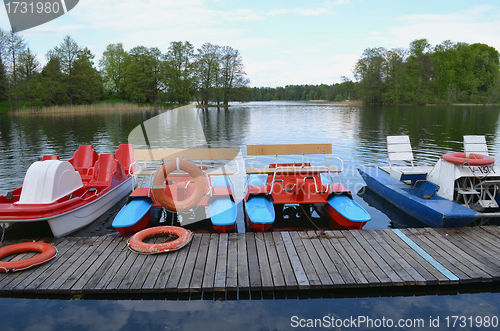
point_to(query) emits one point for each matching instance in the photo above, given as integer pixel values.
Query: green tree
(207, 70)
(14, 46)
(369, 71)
(181, 67)
(29, 66)
(112, 66)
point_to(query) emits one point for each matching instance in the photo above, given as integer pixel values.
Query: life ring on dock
(47, 252)
(160, 193)
(137, 244)
(468, 159)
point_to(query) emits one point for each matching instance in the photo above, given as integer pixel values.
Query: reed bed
(93, 108)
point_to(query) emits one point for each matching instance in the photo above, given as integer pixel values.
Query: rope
(321, 232)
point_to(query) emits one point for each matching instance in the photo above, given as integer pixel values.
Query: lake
(358, 136)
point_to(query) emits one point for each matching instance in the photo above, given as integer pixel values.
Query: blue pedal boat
(458, 190)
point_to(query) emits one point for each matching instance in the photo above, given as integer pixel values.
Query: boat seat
(104, 170)
(475, 144)
(125, 155)
(83, 161)
(399, 150)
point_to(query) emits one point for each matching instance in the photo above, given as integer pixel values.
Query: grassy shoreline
(103, 106)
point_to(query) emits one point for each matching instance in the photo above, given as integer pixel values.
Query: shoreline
(92, 108)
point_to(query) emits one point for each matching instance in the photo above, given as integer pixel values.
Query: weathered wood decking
(268, 262)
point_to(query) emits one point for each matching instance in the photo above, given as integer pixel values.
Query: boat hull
(133, 217)
(435, 211)
(343, 213)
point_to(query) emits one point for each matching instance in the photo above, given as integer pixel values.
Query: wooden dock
(267, 262)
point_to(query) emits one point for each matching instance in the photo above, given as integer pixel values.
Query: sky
(282, 42)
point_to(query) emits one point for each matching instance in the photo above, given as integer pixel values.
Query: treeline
(447, 73)
(142, 75)
(347, 90)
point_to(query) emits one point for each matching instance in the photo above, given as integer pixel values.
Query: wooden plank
(289, 149)
(376, 254)
(472, 248)
(284, 261)
(209, 276)
(137, 284)
(265, 270)
(485, 242)
(123, 252)
(298, 269)
(124, 273)
(335, 237)
(54, 267)
(322, 274)
(175, 275)
(253, 263)
(414, 265)
(333, 273)
(70, 266)
(455, 256)
(167, 266)
(199, 267)
(359, 262)
(92, 255)
(312, 276)
(115, 255)
(92, 273)
(187, 272)
(243, 277)
(371, 260)
(187, 153)
(221, 266)
(274, 262)
(481, 269)
(347, 278)
(232, 263)
(390, 257)
(427, 246)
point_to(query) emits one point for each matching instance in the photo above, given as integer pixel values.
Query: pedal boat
(190, 185)
(70, 194)
(268, 190)
(458, 190)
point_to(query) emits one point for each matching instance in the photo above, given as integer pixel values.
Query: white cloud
(475, 24)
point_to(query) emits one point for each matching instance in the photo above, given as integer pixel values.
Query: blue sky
(281, 42)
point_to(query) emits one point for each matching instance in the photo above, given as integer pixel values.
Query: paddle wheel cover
(47, 252)
(472, 159)
(137, 244)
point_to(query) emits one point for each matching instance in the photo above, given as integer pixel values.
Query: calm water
(358, 137)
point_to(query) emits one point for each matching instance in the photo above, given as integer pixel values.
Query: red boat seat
(104, 170)
(50, 157)
(84, 158)
(125, 155)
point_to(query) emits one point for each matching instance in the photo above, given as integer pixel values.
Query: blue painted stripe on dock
(425, 255)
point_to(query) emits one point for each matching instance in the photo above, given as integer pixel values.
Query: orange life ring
(137, 244)
(47, 252)
(468, 159)
(160, 194)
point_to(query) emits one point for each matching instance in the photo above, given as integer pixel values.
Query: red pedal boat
(69, 194)
(269, 189)
(172, 181)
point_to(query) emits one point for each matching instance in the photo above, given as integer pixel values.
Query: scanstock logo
(26, 14)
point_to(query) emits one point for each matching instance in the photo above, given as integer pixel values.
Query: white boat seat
(475, 144)
(399, 150)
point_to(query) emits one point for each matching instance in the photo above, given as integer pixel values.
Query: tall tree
(112, 65)
(14, 46)
(180, 58)
(67, 53)
(29, 66)
(369, 71)
(208, 70)
(232, 73)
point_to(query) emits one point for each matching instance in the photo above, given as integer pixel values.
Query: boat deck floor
(268, 262)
